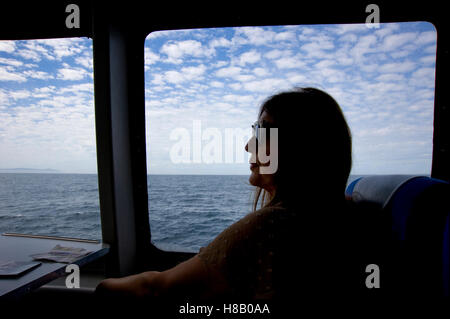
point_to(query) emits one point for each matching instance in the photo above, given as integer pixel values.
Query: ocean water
(186, 211)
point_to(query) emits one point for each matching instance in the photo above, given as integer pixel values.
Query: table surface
(20, 249)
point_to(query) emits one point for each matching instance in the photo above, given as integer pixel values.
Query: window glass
(48, 168)
(203, 84)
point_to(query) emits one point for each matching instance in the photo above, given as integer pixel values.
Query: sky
(203, 84)
(47, 105)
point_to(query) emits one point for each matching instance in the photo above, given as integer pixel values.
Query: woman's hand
(189, 278)
(140, 285)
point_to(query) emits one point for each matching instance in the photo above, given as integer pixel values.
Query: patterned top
(277, 251)
(245, 251)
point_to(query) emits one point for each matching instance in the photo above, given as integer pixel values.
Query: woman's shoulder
(274, 214)
(267, 211)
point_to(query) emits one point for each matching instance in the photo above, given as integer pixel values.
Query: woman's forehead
(265, 117)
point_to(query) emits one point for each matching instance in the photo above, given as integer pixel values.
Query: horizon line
(56, 172)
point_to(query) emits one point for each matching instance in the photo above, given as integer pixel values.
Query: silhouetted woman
(304, 239)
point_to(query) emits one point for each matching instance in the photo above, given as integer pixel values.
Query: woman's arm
(205, 275)
(190, 278)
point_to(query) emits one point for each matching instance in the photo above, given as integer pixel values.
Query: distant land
(55, 171)
(28, 170)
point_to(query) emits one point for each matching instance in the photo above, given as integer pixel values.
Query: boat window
(48, 167)
(204, 86)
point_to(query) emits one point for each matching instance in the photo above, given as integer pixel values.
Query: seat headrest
(420, 220)
(376, 189)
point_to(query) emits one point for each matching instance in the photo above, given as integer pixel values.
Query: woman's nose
(251, 140)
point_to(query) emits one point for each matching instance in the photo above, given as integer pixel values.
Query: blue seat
(418, 208)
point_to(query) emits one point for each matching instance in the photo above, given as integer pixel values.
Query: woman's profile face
(264, 181)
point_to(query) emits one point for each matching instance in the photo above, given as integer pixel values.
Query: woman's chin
(254, 178)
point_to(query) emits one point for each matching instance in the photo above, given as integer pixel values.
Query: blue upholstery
(419, 211)
(446, 258)
(350, 187)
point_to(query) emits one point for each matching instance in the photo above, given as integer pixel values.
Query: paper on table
(15, 268)
(62, 254)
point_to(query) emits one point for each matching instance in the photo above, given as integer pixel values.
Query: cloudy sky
(212, 81)
(47, 105)
(382, 78)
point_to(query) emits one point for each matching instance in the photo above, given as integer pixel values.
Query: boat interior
(419, 205)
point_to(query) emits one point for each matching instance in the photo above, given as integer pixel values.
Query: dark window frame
(119, 30)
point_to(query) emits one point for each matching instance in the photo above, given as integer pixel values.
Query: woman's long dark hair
(314, 146)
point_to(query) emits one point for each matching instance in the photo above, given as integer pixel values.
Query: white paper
(62, 254)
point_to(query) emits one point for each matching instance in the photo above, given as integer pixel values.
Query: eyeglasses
(257, 132)
(256, 126)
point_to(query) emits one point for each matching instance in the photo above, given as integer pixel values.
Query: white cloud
(217, 84)
(386, 29)
(365, 44)
(400, 67)
(236, 86)
(19, 94)
(297, 79)
(72, 74)
(229, 71)
(426, 37)
(249, 57)
(45, 89)
(4, 98)
(260, 71)
(324, 64)
(307, 30)
(220, 42)
(61, 48)
(395, 41)
(86, 61)
(38, 49)
(285, 36)
(76, 88)
(423, 77)
(349, 37)
(12, 62)
(369, 68)
(429, 59)
(275, 54)
(242, 99)
(244, 77)
(193, 72)
(185, 74)
(150, 57)
(400, 53)
(7, 46)
(344, 28)
(268, 86)
(289, 63)
(390, 77)
(41, 75)
(430, 49)
(254, 36)
(5, 75)
(175, 51)
(29, 54)
(315, 49)
(158, 79)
